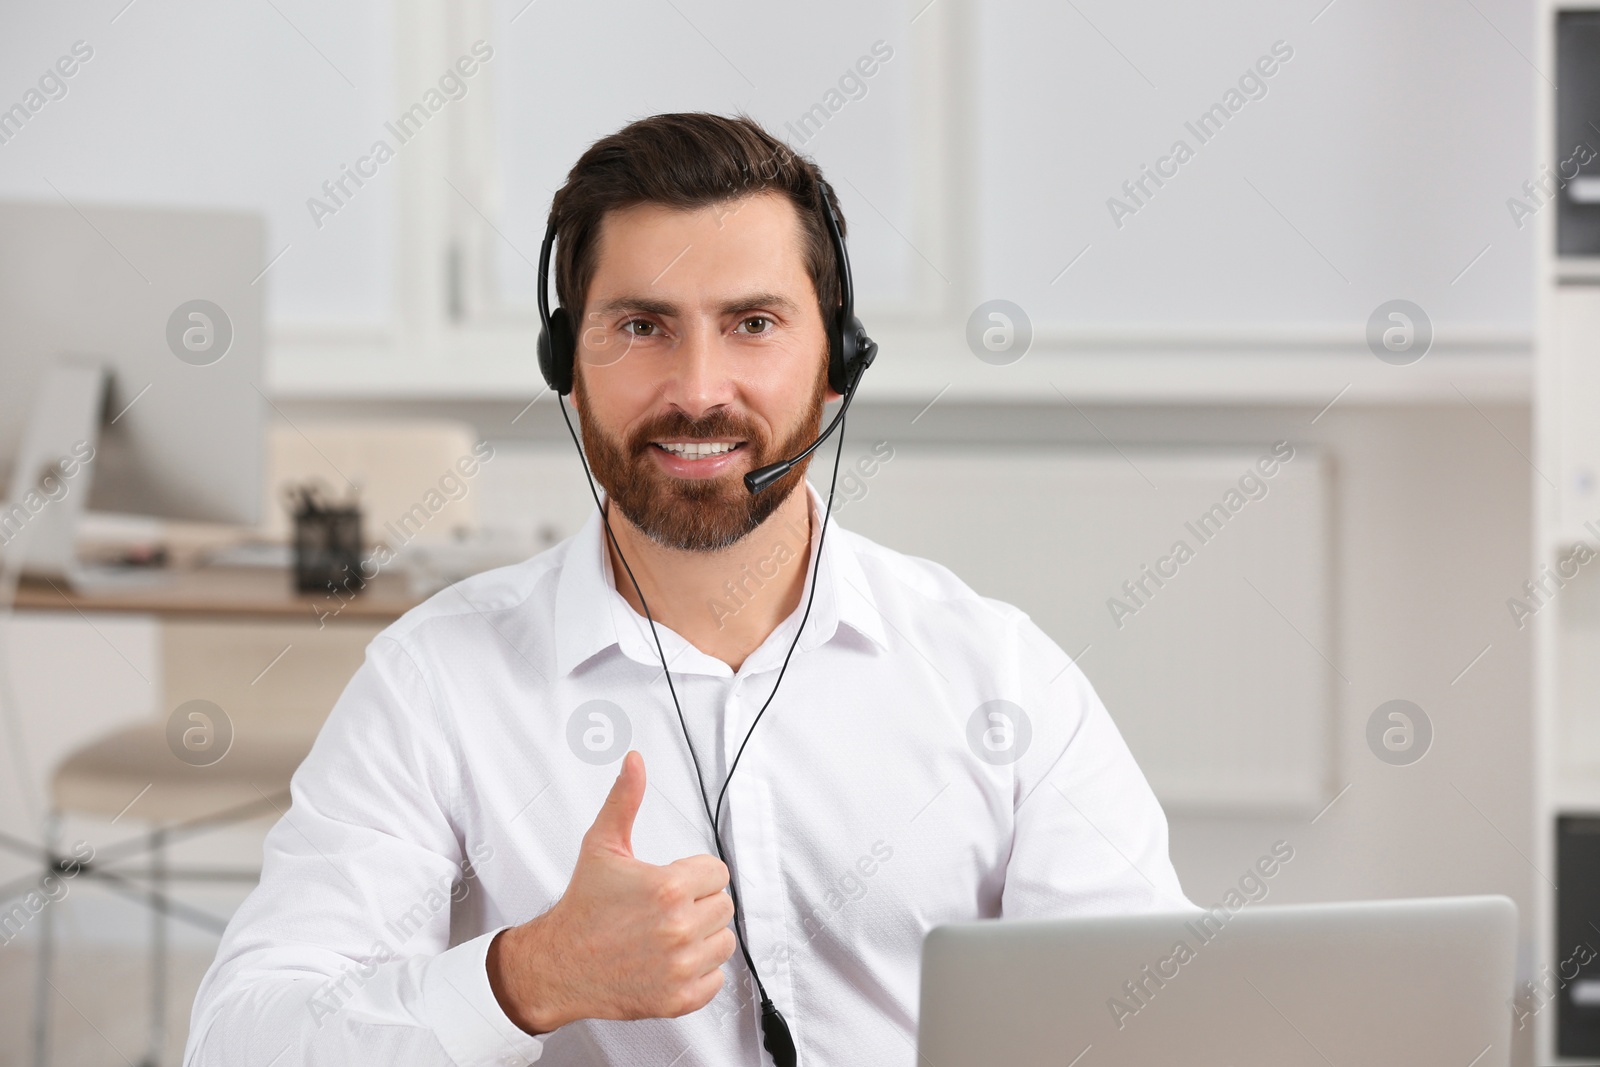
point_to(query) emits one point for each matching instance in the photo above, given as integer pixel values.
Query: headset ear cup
(863, 349)
(556, 350)
(544, 358)
(841, 353)
(850, 352)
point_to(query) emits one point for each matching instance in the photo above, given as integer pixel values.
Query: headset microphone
(763, 477)
(850, 352)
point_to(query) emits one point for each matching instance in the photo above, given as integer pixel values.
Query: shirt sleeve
(1090, 838)
(341, 955)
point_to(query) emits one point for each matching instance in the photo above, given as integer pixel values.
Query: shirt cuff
(465, 1016)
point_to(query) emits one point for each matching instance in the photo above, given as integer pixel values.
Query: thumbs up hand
(627, 940)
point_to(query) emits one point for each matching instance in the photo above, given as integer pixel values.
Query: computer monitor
(132, 336)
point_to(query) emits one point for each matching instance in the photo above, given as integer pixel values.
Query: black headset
(850, 353)
(850, 350)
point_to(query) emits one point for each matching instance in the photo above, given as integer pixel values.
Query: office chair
(273, 720)
(275, 715)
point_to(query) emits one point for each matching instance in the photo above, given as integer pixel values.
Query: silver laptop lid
(1385, 982)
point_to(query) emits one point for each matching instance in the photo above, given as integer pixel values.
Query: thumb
(613, 827)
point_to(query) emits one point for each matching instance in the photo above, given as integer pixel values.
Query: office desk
(240, 637)
(238, 593)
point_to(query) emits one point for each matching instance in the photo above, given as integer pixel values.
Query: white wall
(1377, 164)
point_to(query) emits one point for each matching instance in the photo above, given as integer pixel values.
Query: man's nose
(700, 379)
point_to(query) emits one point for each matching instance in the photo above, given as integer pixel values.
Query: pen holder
(327, 544)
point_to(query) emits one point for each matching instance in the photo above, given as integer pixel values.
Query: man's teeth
(698, 449)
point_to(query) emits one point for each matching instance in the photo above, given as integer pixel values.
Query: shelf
(1575, 792)
(914, 366)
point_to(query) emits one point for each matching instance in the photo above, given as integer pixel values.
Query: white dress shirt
(883, 793)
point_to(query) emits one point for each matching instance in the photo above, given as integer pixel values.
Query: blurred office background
(1157, 335)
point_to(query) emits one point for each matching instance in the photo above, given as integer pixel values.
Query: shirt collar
(591, 616)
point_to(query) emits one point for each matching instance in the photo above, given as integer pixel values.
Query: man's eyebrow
(643, 304)
(775, 301)
(649, 305)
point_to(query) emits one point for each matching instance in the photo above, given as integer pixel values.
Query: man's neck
(727, 602)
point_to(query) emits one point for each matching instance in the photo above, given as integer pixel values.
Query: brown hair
(686, 161)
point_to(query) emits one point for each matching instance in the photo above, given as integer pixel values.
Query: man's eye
(755, 324)
(639, 328)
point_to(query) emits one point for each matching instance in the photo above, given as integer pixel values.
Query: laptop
(1411, 982)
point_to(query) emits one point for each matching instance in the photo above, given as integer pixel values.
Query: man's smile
(694, 450)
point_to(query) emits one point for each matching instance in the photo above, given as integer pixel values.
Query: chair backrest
(407, 471)
(283, 677)
(269, 677)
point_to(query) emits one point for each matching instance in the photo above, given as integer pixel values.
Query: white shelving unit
(1566, 405)
(486, 363)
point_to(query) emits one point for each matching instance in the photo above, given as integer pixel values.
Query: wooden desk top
(226, 592)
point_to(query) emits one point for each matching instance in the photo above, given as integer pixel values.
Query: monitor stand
(49, 487)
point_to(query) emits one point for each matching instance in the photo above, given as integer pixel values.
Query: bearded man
(476, 868)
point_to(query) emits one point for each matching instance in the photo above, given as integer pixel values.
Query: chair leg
(46, 960)
(158, 948)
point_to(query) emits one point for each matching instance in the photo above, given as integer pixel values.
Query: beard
(700, 514)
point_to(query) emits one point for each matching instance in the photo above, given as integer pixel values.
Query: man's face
(701, 356)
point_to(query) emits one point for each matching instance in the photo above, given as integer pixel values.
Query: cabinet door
(1078, 539)
(1576, 330)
